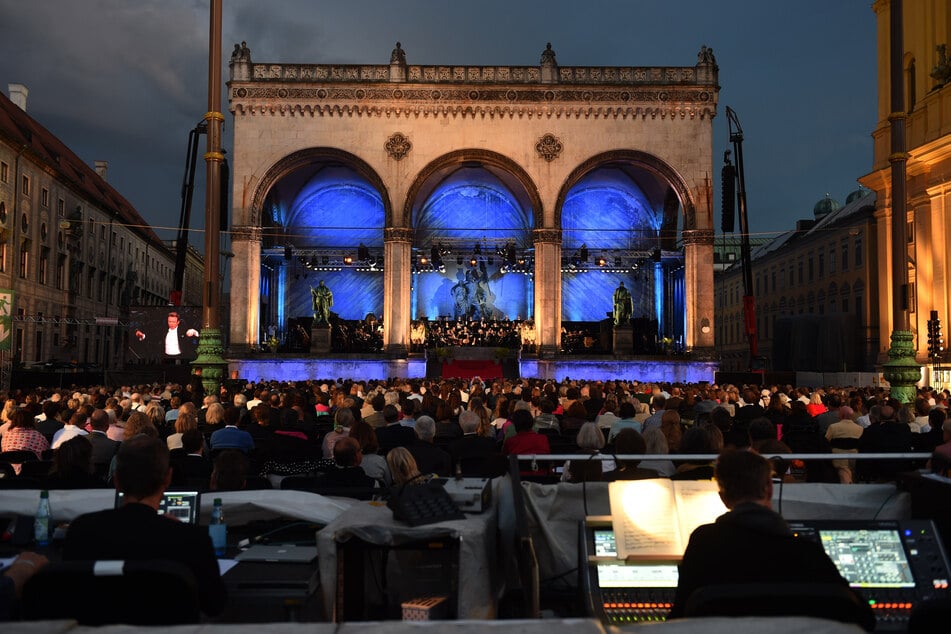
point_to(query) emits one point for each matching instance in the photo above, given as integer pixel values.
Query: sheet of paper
(645, 518)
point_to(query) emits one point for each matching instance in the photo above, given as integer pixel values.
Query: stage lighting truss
(484, 253)
(637, 263)
(324, 259)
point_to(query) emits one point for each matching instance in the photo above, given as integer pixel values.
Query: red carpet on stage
(468, 368)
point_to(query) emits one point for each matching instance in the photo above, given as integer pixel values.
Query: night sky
(125, 80)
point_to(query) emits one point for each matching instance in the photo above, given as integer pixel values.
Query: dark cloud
(125, 80)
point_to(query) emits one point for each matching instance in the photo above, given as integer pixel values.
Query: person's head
(744, 477)
(73, 456)
(21, 418)
(215, 414)
(139, 423)
(343, 418)
(192, 441)
(626, 410)
(390, 414)
(347, 452)
(469, 421)
(186, 421)
(425, 428)
(654, 439)
(590, 437)
(142, 469)
(408, 408)
(630, 442)
(173, 320)
(545, 405)
(99, 420)
(230, 472)
(577, 410)
(403, 467)
(522, 419)
(364, 434)
(378, 402)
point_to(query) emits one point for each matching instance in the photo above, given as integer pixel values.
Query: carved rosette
(397, 234)
(549, 147)
(697, 236)
(549, 236)
(397, 146)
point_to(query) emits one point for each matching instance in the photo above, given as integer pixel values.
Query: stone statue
(398, 56)
(623, 305)
(460, 298)
(548, 56)
(323, 299)
(705, 56)
(942, 72)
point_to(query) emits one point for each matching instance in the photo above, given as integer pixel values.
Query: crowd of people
(449, 426)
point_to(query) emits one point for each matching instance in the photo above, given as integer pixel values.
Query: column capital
(703, 237)
(246, 233)
(397, 234)
(552, 236)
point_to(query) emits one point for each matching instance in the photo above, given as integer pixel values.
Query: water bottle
(218, 529)
(41, 523)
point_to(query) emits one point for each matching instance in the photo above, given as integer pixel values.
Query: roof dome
(861, 192)
(825, 207)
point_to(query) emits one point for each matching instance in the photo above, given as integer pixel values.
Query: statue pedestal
(623, 340)
(320, 339)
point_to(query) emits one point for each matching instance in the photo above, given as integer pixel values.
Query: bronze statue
(323, 299)
(623, 305)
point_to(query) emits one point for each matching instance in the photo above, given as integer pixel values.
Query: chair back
(148, 592)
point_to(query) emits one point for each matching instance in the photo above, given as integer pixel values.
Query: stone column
(245, 287)
(548, 290)
(397, 284)
(698, 291)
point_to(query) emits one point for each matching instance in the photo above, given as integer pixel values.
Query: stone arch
(303, 158)
(644, 160)
(508, 171)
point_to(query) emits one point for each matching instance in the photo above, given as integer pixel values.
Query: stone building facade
(75, 253)
(405, 129)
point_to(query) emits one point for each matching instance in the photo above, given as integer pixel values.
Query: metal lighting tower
(756, 362)
(210, 361)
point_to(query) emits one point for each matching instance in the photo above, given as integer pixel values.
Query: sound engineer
(750, 543)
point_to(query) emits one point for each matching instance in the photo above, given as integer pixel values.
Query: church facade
(433, 191)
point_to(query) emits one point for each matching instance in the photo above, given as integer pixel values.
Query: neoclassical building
(541, 187)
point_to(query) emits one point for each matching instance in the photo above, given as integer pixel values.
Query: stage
(281, 367)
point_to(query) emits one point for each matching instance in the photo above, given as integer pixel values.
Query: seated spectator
(373, 463)
(24, 566)
(347, 471)
(22, 436)
(103, 447)
(752, 528)
(699, 439)
(472, 448)
(886, 435)
(229, 436)
(75, 427)
(187, 420)
(526, 441)
(72, 466)
(608, 416)
(343, 419)
(135, 531)
(546, 420)
(630, 442)
(392, 434)
(429, 458)
(626, 420)
(230, 472)
(656, 443)
(940, 462)
(590, 440)
(190, 464)
(403, 468)
(575, 416)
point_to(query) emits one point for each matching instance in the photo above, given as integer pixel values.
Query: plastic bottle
(218, 529)
(41, 523)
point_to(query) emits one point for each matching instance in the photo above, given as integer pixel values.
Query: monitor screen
(869, 558)
(604, 544)
(637, 575)
(182, 505)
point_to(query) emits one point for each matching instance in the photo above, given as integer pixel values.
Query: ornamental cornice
(246, 233)
(549, 236)
(397, 234)
(702, 237)
(449, 74)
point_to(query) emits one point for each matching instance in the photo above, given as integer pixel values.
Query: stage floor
(278, 367)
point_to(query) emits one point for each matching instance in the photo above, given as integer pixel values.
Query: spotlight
(473, 262)
(602, 261)
(423, 260)
(348, 260)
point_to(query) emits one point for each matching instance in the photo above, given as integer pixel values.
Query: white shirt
(68, 432)
(171, 342)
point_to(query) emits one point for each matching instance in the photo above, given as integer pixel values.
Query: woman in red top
(815, 406)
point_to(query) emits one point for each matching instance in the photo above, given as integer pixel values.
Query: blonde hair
(215, 414)
(403, 467)
(9, 406)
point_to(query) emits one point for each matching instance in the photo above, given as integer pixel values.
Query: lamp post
(210, 362)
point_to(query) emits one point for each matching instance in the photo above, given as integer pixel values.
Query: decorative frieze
(246, 233)
(703, 237)
(550, 236)
(397, 234)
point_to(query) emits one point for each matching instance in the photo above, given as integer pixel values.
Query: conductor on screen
(172, 341)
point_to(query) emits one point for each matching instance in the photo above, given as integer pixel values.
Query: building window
(832, 261)
(3, 257)
(44, 265)
(822, 264)
(910, 231)
(25, 186)
(61, 208)
(799, 268)
(773, 280)
(61, 272)
(24, 261)
(858, 251)
(845, 255)
(810, 269)
(45, 197)
(4, 173)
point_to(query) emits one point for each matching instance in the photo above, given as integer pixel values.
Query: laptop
(182, 505)
(279, 553)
